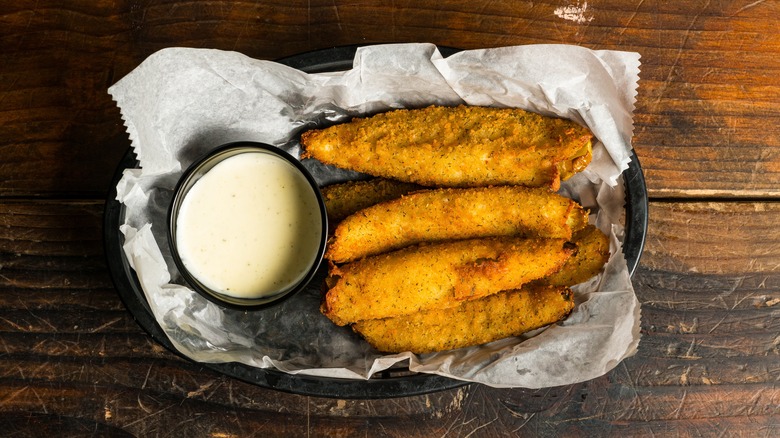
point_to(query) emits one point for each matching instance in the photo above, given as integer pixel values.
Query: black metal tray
(391, 383)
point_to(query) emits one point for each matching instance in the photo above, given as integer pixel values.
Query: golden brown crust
(450, 214)
(509, 313)
(440, 267)
(592, 254)
(344, 199)
(438, 275)
(464, 146)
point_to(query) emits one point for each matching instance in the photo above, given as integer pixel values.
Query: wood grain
(73, 359)
(716, 238)
(705, 117)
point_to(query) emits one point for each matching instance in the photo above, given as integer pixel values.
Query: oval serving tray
(391, 383)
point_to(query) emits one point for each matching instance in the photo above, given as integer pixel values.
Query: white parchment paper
(181, 103)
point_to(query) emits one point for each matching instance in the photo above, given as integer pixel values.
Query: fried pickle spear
(344, 199)
(592, 254)
(452, 214)
(438, 275)
(464, 146)
(509, 313)
(474, 322)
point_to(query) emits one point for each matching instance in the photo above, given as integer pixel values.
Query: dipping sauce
(250, 227)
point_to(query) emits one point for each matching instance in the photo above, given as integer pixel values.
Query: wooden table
(74, 362)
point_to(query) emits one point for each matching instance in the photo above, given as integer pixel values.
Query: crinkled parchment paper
(180, 103)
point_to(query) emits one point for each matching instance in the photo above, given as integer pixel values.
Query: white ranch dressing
(250, 227)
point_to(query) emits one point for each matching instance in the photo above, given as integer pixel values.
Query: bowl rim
(220, 153)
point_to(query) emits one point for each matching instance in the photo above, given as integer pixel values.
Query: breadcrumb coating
(452, 214)
(463, 146)
(509, 313)
(438, 275)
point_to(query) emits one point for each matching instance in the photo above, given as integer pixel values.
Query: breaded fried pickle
(451, 214)
(462, 146)
(344, 199)
(592, 254)
(509, 313)
(438, 275)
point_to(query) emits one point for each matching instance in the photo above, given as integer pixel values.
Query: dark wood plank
(714, 238)
(705, 114)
